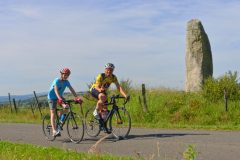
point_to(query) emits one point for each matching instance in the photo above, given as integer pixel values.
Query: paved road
(157, 143)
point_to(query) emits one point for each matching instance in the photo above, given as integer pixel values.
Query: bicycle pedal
(107, 131)
(58, 135)
(75, 127)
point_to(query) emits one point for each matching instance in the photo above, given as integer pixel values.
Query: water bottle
(62, 117)
(59, 128)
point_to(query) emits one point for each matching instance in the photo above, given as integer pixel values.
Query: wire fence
(35, 103)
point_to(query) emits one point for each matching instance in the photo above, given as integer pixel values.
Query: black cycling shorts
(95, 93)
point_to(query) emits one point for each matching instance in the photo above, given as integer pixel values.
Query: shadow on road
(162, 135)
(110, 139)
(89, 140)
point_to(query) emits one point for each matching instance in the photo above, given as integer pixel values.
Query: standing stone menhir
(198, 58)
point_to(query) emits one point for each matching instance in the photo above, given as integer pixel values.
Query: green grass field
(16, 151)
(166, 109)
(13, 151)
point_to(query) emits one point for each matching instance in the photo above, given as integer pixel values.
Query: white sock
(95, 113)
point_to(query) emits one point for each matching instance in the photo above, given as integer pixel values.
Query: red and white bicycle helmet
(65, 71)
(109, 65)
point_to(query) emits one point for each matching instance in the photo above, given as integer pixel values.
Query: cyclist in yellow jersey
(99, 88)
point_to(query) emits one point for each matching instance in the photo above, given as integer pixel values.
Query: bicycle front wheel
(120, 123)
(47, 128)
(91, 123)
(75, 128)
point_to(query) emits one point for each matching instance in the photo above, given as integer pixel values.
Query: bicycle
(75, 125)
(117, 121)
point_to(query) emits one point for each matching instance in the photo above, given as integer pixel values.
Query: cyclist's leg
(101, 108)
(102, 98)
(100, 101)
(53, 107)
(64, 110)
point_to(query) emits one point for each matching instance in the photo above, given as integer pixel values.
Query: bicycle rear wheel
(75, 128)
(47, 128)
(91, 124)
(120, 123)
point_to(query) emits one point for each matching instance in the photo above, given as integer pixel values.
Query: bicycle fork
(118, 121)
(103, 125)
(118, 116)
(74, 124)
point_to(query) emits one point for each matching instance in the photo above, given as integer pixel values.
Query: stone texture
(198, 58)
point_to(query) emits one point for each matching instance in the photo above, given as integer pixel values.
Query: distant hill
(4, 99)
(29, 97)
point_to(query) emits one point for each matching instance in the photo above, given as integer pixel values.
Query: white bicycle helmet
(109, 65)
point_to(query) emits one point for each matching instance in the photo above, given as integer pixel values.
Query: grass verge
(166, 109)
(13, 151)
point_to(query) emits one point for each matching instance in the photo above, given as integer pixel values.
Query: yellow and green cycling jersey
(102, 81)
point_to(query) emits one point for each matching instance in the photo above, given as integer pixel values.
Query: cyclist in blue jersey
(55, 96)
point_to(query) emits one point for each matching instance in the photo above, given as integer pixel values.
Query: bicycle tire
(75, 128)
(91, 124)
(47, 128)
(120, 128)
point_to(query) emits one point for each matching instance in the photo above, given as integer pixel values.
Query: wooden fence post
(144, 98)
(32, 109)
(10, 103)
(226, 99)
(15, 106)
(140, 102)
(38, 105)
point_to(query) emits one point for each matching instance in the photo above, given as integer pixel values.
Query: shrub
(126, 85)
(190, 153)
(213, 89)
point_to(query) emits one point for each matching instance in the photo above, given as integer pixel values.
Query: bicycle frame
(69, 113)
(114, 108)
(95, 126)
(112, 111)
(74, 122)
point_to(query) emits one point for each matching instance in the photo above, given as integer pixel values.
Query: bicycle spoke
(91, 124)
(47, 128)
(120, 123)
(75, 128)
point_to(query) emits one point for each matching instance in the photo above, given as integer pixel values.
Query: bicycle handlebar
(71, 101)
(113, 97)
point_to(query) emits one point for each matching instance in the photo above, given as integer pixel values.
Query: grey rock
(199, 65)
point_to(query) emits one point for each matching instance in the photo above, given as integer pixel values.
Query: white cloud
(28, 12)
(145, 39)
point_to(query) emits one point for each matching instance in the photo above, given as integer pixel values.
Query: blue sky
(144, 39)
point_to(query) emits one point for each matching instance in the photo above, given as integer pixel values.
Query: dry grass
(94, 148)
